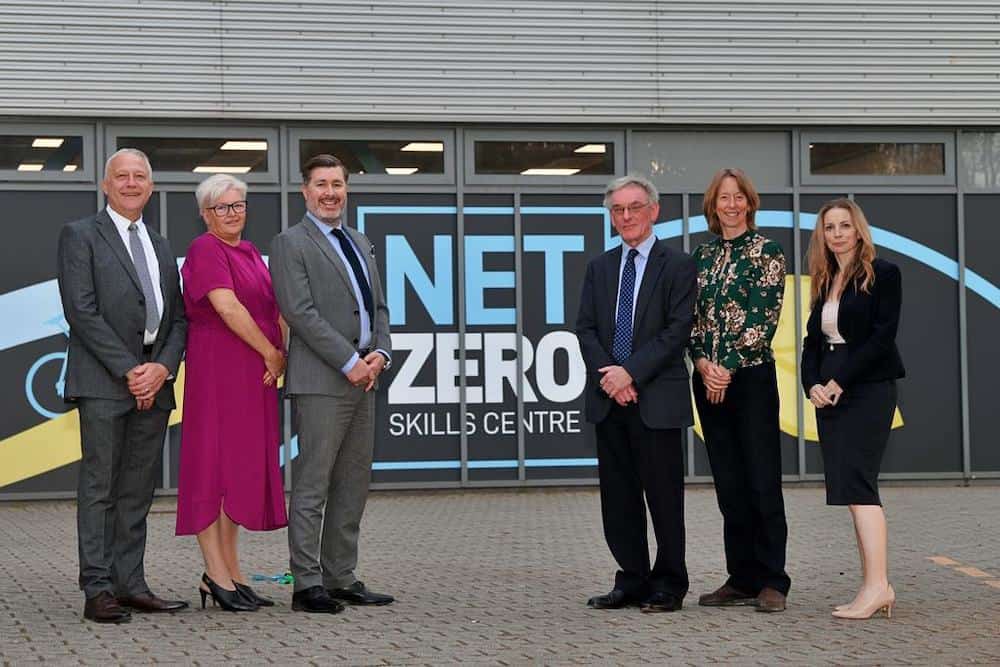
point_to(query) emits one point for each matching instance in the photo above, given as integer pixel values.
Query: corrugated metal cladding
(921, 62)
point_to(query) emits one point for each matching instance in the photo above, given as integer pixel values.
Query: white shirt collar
(121, 222)
(643, 248)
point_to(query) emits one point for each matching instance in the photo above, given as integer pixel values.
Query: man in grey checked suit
(121, 296)
(329, 291)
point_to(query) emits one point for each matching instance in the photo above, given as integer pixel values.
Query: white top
(828, 323)
(121, 224)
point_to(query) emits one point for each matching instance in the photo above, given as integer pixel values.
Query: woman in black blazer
(850, 364)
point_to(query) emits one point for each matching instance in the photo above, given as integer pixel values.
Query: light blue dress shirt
(644, 249)
(365, 337)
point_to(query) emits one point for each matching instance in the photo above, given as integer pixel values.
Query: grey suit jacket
(315, 296)
(103, 302)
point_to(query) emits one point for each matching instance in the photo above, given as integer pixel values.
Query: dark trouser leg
(662, 472)
(725, 455)
(102, 439)
(138, 472)
(761, 442)
(622, 508)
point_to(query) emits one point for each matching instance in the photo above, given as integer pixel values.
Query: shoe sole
(110, 621)
(658, 610)
(296, 607)
(742, 602)
(364, 604)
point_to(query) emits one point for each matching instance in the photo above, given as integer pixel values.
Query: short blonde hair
(212, 188)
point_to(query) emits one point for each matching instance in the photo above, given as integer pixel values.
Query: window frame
(614, 137)
(808, 137)
(88, 173)
(342, 133)
(267, 132)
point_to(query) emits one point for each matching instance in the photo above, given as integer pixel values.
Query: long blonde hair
(823, 266)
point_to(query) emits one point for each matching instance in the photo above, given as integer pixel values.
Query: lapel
(323, 243)
(612, 265)
(106, 228)
(650, 277)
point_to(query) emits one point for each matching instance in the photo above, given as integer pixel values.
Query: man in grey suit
(329, 291)
(121, 296)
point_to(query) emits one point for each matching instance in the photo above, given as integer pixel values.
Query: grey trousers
(330, 487)
(118, 471)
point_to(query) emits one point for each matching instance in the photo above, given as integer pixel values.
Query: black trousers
(636, 461)
(744, 450)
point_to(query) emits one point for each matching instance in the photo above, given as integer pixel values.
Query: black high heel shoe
(252, 596)
(228, 600)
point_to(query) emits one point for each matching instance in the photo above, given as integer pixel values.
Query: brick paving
(500, 577)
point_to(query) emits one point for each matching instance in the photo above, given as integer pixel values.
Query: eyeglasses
(634, 209)
(224, 209)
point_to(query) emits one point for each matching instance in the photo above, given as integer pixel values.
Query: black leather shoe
(616, 599)
(149, 603)
(316, 600)
(727, 596)
(357, 593)
(661, 601)
(103, 608)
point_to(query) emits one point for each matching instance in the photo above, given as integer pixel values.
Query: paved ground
(500, 577)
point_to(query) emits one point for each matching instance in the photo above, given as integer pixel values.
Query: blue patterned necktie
(622, 346)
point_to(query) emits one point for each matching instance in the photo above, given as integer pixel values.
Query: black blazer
(868, 322)
(103, 303)
(664, 314)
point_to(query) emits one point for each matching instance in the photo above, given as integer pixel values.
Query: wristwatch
(388, 361)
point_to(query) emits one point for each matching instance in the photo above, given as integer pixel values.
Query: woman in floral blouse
(741, 280)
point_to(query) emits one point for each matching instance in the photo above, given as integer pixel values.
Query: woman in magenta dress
(229, 472)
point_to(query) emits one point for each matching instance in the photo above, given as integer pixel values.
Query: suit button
(356, 313)
(355, 341)
(138, 333)
(142, 302)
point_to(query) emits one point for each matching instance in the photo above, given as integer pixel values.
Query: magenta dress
(229, 436)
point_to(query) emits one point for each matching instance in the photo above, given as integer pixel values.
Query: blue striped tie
(622, 346)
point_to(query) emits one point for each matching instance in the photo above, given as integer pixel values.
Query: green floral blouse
(741, 283)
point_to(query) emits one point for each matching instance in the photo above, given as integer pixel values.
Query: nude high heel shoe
(883, 603)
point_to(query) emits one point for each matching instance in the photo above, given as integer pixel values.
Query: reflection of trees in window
(981, 159)
(877, 159)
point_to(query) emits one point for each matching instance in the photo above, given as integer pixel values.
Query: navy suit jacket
(868, 322)
(664, 314)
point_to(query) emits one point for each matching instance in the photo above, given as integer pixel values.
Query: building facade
(480, 136)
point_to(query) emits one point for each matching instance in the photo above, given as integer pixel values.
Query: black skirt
(853, 434)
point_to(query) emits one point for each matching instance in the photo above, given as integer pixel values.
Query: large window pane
(43, 152)
(207, 155)
(380, 156)
(544, 158)
(876, 159)
(980, 159)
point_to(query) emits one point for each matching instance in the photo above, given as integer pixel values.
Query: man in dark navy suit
(636, 312)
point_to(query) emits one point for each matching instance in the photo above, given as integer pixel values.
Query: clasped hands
(822, 396)
(716, 379)
(144, 381)
(274, 364)
(366, 370)
(617, 383)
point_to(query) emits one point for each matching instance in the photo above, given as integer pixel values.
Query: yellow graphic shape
(785, 360)
(55, 443)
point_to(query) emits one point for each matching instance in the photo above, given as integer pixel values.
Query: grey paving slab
(500, 577)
